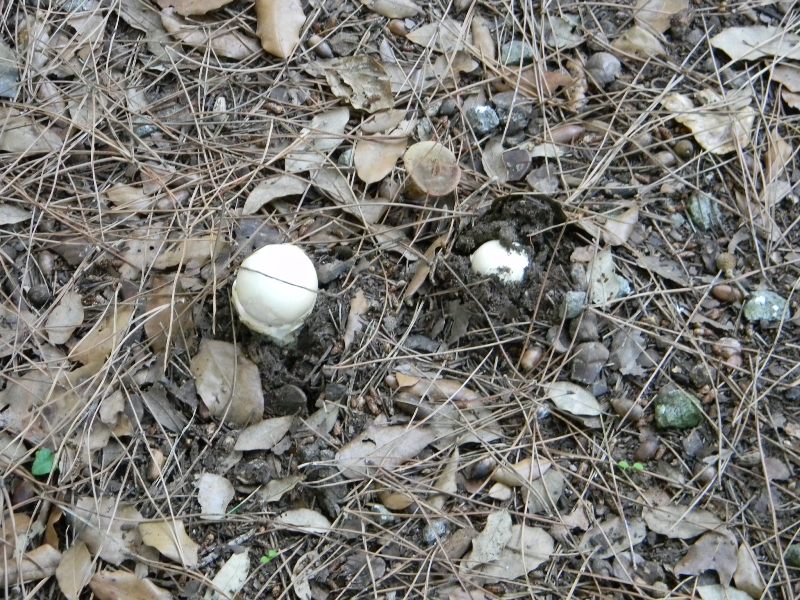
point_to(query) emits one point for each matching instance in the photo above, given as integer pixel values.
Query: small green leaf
(269, 557)
(637, 466)
(624, 465)
(43, 462)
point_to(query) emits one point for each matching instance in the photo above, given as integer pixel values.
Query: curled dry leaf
(638, 41)
(227, 43)
(193, 7)
(362, 80)
(787, 75)
(65, 318)
(358, 307)
(108, 527)
(228, 383)
(432, 168)
(657, 14)
(263, 435)
(74, 571)
(318, 140)
(681, 522)
(169, 537)
(305, 520)
(214, 493)
(445, 35)
(37, 564)
(230, 579)
(20, 133)
(521, 473)
(337, 188)
(277, 186)
(393, 9)
(572, 398)
(276, 488)
(129, 198)
(125, 585)
(754, 42)
(106, 336)
(376, 156)
(712, 552)
(279, 25)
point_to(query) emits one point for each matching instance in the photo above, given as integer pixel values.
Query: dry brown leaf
(276, 488)
(722, 125)
(65, 318)
(657, 14)
(279, 25)
(612, 537)
(190, 252)
(393, 9)
(779, 155)
(335, 185)
(619, 225)
(792, 100)
(129, 198)
(483, 40)
(754, 42)
(375, 157)
(532, 81)
(145, 18)
(640, 42)
(37, 564)
(11, 214)
(787, 75)
(382, 448)
(228, 383)
(231, 577)
(572, 398)
(169, 315)
(108, 527)
(170, 539)
(20, 133)
(263, 435)
(488, 545)
(680, 522)
(718, 592)
(712, 552)
(303, 519)
(105, 337)
(228, 43)
(362, 80)
(433, 387)
(522, 472)
(277, 186)
(383, 121)
(424, 267)
(214, 494)
(193, 7)
(124, 585)
(75, 570)
(445, 35)
(318, 140)
(358, 307)
(748, 576)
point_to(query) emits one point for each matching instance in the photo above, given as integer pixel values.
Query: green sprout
(43, 462)
(625, 465)
(269, 557)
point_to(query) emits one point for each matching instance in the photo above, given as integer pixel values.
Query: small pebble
(765, 305)
(573, 305)
(677, 409)
(512, 110)
(38, 295)
(530, 358)
(517, 162)
(684, 149)
(482, 119)
(448, 107)
(588, 362)
(603, 67)
(516, 52)
(665, 158)
(434, 531)
(703, 210)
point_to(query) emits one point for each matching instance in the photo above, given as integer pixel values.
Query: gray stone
(603, 67)
(9, 73)
(573, 304)
(513, 110)
(703, 210)
(677, 409)
(448, 107)
(483, 119)
(517, 52)
(765, 305)
(588, 362)
(517, 162)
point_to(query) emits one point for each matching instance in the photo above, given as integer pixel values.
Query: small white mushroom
(275, 290)
(508, 264)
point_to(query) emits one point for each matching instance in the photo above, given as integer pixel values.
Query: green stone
(764, 305)
(703, 210)
(676, 409)
(792, 556)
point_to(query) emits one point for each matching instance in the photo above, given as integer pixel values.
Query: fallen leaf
(792, 100)
(375, 157)
(129, 198)
(193, 7)
(145, 18)
(214, 493)
(604, 283)
(522, 472)
(754, 42)
(230, 579)
(279, 25)
(488, 545)
(657, 14)
(787, 75)
(105, 336)
(335, 185)
(362, 80)
(681, 522)
(541, 495)
(65, 318)
(20, 133)
(612, 537)
(303, 519)
(619, 225)
(317, 141)
(11, 214)
(383, 121)
(170, 539)
(712, 552)
(263, 435)
(382, 448)
(573, 399)
(277, 186)
(108, 527)
(747, 576)
(228, 43)
(482, 38)
(9, 72)
(663, 267)
(75, 570)
(424, 267)
(718, 592)
(639, 41)
(721, 125)
(526, 549)
(169, 315)
(393, 9)
(562, 32)
(228, 383)
(445, 35)
(778, 157)
(124, 585)
(34, 565)
(358, 307)
(276, 488)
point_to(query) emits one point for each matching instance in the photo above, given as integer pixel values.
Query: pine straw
(219, 154)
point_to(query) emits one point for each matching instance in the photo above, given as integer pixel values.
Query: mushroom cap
(432, 168)
(507, 264)
(275, 290)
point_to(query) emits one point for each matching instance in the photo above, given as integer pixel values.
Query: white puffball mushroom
(508, 264)
(275, 290)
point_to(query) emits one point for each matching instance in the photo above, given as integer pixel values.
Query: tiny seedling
(626, 466)
(43, 462)
(269, 557)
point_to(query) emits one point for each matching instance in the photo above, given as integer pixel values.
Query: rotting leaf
(712, 552)
(393, 9)
(105, 337)
(279, 25)
(303, 519)
(264, 434)
(214, 493)
(228, 383)
(227, 43)
(193, 7)
(108, 527)
(169, 537)
(754, 42)
(681, 522)
(748, 576)
(375, 157)
(34, 565)
(612, 537)
(20, 133)
(125, 585)
(573, 399)
(75, 570)
(362, 80)
(488, 545)
(382, 448)
(65, 318)
(277, 186)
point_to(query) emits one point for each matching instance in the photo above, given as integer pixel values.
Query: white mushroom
(275, 290)
(508, 264)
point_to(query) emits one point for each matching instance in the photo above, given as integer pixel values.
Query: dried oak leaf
(279, 25)
(125, 585)
(393, 9)
(193, 7)
(227, 42)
